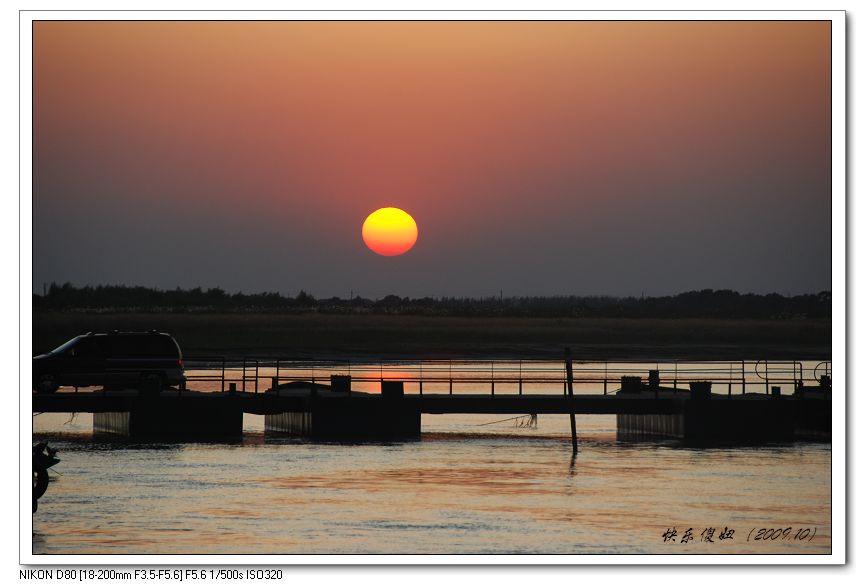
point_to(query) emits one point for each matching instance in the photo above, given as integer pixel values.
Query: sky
(537, 158)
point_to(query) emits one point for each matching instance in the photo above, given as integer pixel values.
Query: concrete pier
(150, 420)
(332, 417)
(713, 422)
(814, 419)
(291, 423)
(705, 418)
(633, 427)
(115, 423)
(336, 412)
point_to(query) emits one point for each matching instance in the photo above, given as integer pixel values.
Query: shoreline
(375, 337)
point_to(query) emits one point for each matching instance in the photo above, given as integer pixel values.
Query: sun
(389, 231)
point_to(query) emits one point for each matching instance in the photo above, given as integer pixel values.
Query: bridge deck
(297, 401)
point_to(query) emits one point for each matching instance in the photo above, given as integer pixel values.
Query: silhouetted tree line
(706, 303)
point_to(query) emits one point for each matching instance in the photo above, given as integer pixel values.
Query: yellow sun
(389, 231)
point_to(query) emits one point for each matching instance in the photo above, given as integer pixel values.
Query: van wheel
(47, 384)
(152, 384)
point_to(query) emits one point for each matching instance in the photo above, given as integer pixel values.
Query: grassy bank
(317, 335)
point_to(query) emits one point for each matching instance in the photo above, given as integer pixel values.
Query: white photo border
(839, 289)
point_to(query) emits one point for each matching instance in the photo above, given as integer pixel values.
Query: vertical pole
(743, 376)
(277, 372)
(420, 384)
(766, 374)
(565, 381)
(521, 377)
(492, 378)
(675, 376)
(451, 377)
(793, 376)
(730, 381)
(798, 375)
(570, 380)
(658, 386)
(222, 387)
(606, 364)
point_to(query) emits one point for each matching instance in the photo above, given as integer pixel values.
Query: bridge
(696, 401)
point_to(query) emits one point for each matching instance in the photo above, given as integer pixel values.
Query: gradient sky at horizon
(537, 158)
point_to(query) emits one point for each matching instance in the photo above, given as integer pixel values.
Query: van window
(167, 347)
(141, 346)
(124, 346)
(87, 347)
(65, 346)
(161, 346)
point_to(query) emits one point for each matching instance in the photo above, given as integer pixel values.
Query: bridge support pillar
(630, 427)
(158, 420)
(703, 421)
(350, 419)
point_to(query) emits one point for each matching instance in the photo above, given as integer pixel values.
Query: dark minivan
(114, 360)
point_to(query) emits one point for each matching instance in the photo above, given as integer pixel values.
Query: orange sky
(483, 131)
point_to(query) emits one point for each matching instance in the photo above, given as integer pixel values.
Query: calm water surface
(462, 488)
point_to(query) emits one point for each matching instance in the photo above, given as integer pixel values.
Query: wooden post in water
(569, 368)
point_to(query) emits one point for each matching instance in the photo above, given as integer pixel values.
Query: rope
(503, 420)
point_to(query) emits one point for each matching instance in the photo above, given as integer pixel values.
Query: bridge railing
(496, 377)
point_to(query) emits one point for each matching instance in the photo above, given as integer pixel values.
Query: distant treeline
(706, 303)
